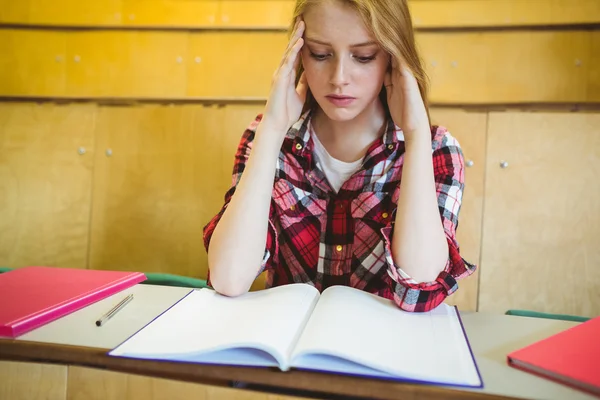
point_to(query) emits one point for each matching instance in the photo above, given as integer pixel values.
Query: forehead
(335, 22)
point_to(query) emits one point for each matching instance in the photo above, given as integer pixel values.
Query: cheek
(314, 73)
(371, 77)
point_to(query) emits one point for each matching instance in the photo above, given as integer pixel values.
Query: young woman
(342, 180)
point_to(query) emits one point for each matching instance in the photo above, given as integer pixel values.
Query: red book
(34, 296)
(571, 357)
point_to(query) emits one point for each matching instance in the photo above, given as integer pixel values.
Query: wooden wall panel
(32, 63)
(149, 190)
(174, 13)
(14, 11)
(541, 221)
(97, 63)
(126, 64)
(92, 384)
(31, 381)
(486, 13)
(96, 384)
(256, 13)
(465, 68)
(470, 129)
(165, 179)
(166, 53)
(230, 64)
(507, 67)
(276, 13)
(45, 184)
(74, 12)
(593, 93)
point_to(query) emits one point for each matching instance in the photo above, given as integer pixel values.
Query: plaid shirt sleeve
(448, 163)
(241, 157)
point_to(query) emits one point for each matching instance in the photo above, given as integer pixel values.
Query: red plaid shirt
(324, 238)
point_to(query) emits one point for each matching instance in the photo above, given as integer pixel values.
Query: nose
(339, 74)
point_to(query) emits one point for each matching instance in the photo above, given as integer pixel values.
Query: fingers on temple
(297, 34)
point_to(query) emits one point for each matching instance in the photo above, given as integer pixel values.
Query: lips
(340, 100)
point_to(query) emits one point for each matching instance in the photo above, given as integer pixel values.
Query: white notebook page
(373, 331)
(206, 321)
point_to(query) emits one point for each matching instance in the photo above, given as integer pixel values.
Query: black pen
(114, 310)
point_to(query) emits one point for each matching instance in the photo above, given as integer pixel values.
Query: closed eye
(322, 57)
(318, 57)
(365, 60)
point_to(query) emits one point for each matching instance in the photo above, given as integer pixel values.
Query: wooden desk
(67, 359)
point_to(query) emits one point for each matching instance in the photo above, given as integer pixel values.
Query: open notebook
(342, 330)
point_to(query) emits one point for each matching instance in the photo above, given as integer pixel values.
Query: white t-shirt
(336, 171)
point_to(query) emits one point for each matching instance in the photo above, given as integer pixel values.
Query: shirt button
(298, 146)
(385, 215)
(338, 248)
(390, 146)
(293, 207)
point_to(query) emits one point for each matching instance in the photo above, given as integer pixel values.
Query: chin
(340, 114)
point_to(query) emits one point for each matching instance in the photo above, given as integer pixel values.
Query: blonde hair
(390, 22)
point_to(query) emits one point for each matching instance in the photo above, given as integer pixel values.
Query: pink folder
(34, 296)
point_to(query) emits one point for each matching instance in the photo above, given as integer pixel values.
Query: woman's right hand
(285, 101)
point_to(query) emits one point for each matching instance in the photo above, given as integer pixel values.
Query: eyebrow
(370, 43)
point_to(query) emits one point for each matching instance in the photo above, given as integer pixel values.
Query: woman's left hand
(405, 102)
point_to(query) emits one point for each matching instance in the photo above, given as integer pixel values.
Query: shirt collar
(299, 134)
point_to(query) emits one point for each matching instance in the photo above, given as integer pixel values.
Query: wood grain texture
(466, 68)
(71, 12)
(166, 178)
(32, 63)
(118, 64)
(276, 13)
(502, 13)
(233, 64)
(32, 381)
(318, 384)
(148, 192)
(96, 384)
(256, 13)
(470, 129)
(170, 13)
(593, 93)
(45, 184)
(541, 218)
(472, 67)
(14, 11)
